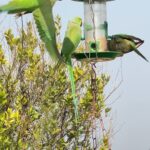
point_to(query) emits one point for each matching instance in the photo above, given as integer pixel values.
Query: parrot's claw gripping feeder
(95, 32)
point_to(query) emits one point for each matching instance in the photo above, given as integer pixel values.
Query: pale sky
(131, 112)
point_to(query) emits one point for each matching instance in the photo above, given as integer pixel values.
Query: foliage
(36, 110)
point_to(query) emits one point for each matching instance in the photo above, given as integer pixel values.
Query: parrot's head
(78, 21)
(116, 39)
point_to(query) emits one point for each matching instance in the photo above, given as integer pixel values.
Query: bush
(36, 110)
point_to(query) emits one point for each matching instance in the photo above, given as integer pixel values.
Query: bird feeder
(95, 32)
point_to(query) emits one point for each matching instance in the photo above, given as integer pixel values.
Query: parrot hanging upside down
(43, 16)
(71, 41)
(125, 44)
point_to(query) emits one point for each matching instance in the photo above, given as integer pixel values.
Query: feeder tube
(95, 25)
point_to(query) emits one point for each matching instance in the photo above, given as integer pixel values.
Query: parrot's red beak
(139, 43)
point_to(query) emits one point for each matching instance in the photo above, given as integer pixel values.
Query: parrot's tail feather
(140, 54)
(72, 80)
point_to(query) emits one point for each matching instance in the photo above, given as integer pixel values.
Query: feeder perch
(95, 32)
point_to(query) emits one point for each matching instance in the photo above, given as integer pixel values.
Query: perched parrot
(71, 41)
(125, 44)
(43, 16)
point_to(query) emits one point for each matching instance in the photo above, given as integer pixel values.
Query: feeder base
(97, 57)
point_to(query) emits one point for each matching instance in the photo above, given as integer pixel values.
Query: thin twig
(114, 89)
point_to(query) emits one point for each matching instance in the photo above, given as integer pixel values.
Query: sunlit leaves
(2, 57)
(3, 97)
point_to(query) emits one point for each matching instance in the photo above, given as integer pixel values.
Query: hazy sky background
(131, 113)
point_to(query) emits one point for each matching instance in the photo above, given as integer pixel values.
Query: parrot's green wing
(45, 23)
(72, 39)
(42, 12)
(17, 6)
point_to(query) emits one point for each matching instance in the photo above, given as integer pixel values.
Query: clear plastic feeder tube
(95, 25)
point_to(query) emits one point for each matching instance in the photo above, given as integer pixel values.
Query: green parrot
(71, 41)
(43, 16)
(125, 44)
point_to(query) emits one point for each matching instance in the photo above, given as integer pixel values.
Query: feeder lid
(99, 56)
(93, 0)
